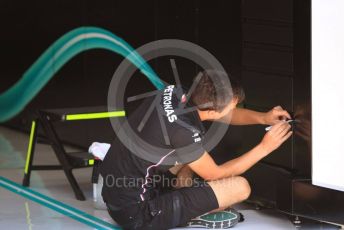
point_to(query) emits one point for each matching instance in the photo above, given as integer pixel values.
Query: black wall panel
(267, 34)
(268, 69)
(268, 10)
(267, 90)
(268, 60)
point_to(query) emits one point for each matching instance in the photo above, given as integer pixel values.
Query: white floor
(17, 212)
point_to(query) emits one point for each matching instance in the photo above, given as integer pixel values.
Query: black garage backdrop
(29, 27)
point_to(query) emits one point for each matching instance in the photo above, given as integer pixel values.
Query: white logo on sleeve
(196, 137)
(167, 101)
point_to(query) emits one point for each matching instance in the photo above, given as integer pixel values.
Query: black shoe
(217, 220)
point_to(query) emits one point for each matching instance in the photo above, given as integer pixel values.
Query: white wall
(328, 93)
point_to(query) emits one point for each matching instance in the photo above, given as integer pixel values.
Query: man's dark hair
(213, 91)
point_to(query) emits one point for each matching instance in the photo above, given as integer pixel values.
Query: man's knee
(231, 190)
(245, 188)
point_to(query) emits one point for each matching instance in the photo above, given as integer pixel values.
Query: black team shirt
(176, 135)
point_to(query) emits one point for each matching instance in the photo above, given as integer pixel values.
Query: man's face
(215, 115)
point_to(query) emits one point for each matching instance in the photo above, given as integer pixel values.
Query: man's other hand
(275, 137)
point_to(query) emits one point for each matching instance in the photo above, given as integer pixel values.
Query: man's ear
(234, 103)
(211, 113)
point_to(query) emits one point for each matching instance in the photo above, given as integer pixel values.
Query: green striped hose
(59, 53)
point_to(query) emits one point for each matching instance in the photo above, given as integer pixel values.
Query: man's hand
(278, 134)
(276, 115)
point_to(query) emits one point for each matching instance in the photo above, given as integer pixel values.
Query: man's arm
(240, 116)
(206, 167)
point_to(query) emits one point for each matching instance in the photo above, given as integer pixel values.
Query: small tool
(269, 127)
